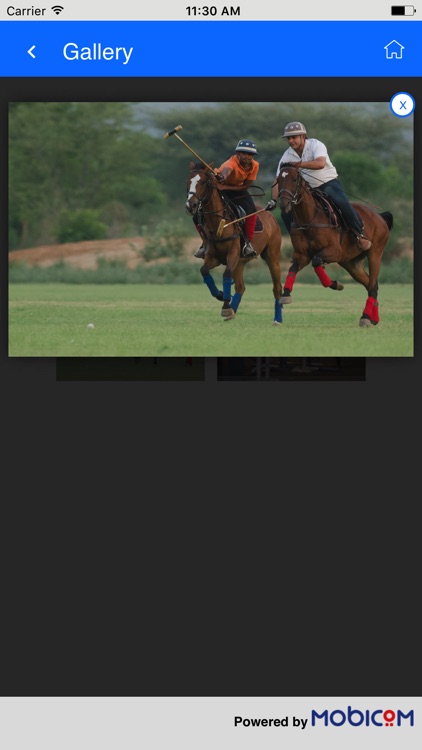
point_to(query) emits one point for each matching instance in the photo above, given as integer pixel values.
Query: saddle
(239, 213)
(334, 215)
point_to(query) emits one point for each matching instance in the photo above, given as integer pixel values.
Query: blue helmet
(247, 147)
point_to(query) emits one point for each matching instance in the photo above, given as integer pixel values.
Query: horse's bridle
(204, 200)
(209, 188)
(296, 197)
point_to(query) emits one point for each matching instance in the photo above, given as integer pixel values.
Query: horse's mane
(200, 167)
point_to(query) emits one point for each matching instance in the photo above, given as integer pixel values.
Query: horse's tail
(388, 218)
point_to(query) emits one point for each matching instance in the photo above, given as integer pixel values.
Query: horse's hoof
(228, 313)
(374, 322)
(365, 323)
(285, 300)
(336, 286)
(277, 323)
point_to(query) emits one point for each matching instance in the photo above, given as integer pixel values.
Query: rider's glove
(271, 205)
(219, 177)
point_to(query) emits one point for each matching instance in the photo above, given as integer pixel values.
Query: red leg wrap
(375, 313)
(368, 310)
(324, 279)
(290, 280)
(250, 223)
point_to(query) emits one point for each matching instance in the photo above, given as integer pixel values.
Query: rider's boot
(248, 251)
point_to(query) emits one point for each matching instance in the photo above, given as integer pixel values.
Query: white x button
(402, 104)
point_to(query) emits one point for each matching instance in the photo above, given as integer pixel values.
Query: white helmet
(294, 128)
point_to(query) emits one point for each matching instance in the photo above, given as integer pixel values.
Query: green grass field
(50, 320)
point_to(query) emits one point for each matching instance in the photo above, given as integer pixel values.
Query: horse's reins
(297, 197)
(204, 200)
(345, 192)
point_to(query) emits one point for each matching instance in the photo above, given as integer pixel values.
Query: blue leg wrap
(209, 281)
(235, 301)
(227, 282)
(278, 317)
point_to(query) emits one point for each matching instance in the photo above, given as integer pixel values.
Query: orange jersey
(239, 174)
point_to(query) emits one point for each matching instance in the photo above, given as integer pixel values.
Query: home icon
(394, 50)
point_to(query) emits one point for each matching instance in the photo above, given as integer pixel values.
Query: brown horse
(319, 236)
(209, 209)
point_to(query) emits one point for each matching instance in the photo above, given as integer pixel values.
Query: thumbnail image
(291, 368)
(167, 369)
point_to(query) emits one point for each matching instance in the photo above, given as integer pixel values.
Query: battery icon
(402, 10)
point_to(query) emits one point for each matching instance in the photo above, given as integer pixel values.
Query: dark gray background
(209, 538)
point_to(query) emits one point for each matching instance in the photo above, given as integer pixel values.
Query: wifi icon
(57, 9)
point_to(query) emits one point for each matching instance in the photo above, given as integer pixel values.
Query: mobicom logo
(357, 718)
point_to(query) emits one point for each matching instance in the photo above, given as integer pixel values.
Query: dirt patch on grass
(86, 254)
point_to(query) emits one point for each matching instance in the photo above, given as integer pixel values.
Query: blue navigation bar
(208, 49)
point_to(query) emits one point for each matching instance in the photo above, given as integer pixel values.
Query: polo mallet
(222, 224)
(174, 132)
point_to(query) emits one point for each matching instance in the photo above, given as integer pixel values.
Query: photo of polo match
(210, 229)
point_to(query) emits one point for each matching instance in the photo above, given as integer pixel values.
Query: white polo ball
(90, 326)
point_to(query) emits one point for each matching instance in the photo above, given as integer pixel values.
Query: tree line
(92, 170)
